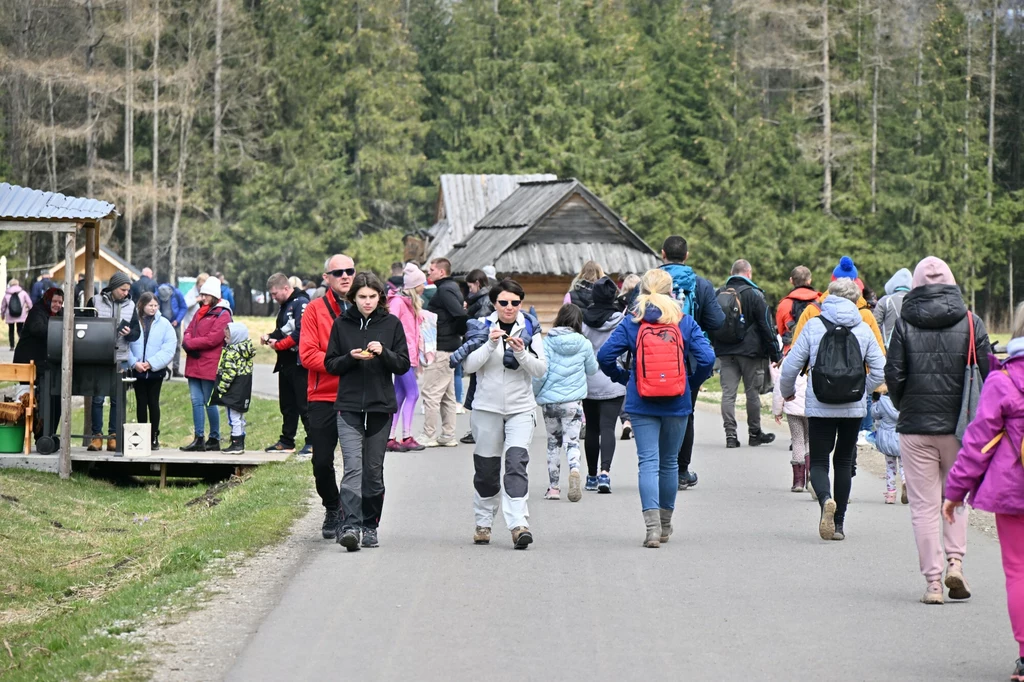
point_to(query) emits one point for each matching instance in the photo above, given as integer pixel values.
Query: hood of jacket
(841, 311)
(901, 281)
(652, 314)
(803, 294)
(610, 324)
(1015, 347)
(353, 315)
(934, 306)
(14, 289)
(238, 331)
(683, 276)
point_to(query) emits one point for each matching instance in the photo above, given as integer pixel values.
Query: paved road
(745, 589)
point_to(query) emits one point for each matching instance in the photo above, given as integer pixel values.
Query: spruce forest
(258, 135)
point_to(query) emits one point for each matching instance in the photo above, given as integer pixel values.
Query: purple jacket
(994, 479)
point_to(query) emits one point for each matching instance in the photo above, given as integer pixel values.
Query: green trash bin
(12, 438)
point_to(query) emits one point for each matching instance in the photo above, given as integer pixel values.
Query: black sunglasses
(342, 271)
(505, 304)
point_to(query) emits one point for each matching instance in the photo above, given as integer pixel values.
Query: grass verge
(86, 561)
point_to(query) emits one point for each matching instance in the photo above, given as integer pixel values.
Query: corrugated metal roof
(528, 204)
(465, 199)
(24, 203)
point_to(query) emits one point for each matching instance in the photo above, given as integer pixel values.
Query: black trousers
(291, 392)
(600, 438)
(11, 326)
(836, 436)
(686, 449)
(147, 398)
(322, 434)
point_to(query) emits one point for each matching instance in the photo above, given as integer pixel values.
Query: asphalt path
(744, 590)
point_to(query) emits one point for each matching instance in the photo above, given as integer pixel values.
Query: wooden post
(91, 248)
(67, 343)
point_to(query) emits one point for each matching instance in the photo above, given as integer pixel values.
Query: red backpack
(660, 363)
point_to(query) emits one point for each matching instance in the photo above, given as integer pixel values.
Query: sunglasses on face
(505, 304)
(342, 272)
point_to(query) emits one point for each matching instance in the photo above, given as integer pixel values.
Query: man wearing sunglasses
(438, 382)
(322, 388)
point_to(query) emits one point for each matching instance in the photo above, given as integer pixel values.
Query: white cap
(211, 287)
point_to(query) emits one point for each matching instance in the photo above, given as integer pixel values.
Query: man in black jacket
(438, 381)
(291, 375)
(744, 344)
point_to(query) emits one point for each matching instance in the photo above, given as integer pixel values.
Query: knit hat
(211, 287)
(490, 271)
(604, 290)
(932, 270)
(118, 279)
(846, 268)
(412, 277)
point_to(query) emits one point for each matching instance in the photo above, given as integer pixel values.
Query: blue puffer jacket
(570, 360)
(477, 332)
(156, 347)
(886, 415)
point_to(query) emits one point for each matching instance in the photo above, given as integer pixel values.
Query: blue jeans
(458, 384)
(867, 423)
(200, 390)
(658, 440)
(97, 415)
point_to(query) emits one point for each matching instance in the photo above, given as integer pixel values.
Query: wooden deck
(250, 458)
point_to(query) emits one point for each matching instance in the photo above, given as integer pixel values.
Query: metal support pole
(67, 343)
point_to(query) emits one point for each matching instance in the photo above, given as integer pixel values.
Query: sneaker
(591, 483)
(933, 595)
(827, 524)
(575, 492)
(871, 439)
(281, 446)
(627, 433)
(862, 438)
(732, 442)
(370, 538)
(482, 536)
(687, 480)
(96, 444)
(197, 445)
(213, 444)
(410, 445)
(955, 580)
(604, 483)
(448, 443)
(460, 408)
(839, 534)
(427, 442)
(468, 439)
(306, 451)
(236, 446)
(890, 497)
(1018, 673)
(349, 539)
(553, 494)
(521, 537)
(394, 446)
(330, 528)
(762, 438)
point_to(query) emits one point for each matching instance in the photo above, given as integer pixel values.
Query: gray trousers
(364, 438)
(751, 371)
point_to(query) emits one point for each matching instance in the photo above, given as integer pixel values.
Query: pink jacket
(401, 307)
(992, 475)
(795, 406)
(5, 307)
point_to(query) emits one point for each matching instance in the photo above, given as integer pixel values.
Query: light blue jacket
(805, 351)
(886, 415)
(570, 360)
(158, 350)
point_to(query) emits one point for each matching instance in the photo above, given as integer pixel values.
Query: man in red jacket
(322, 388)
(793, 305)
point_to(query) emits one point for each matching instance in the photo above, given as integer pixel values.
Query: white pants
(496, 434)
(237, 422)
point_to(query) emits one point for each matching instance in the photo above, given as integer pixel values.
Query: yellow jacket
(812, 311)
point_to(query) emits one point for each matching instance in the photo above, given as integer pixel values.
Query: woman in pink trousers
(990, 476)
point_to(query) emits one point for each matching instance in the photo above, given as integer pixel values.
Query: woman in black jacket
(366, 349)
(924, 373)
(32, 345)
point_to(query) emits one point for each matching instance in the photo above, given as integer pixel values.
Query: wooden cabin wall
(545, 293)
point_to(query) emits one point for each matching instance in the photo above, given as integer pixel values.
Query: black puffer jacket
(366, 385)
(924, 370)
(479, 304)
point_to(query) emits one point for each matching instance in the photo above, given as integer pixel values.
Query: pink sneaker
(553, 494)
(890, 497)
(395, 446)
(410, 445)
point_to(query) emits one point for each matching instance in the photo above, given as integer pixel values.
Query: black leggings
(10, 331)
(600, 416)
(836, 436)
(686, 450)
(147, 395)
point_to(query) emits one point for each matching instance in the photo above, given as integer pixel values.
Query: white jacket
(502, 390)
(795, 406)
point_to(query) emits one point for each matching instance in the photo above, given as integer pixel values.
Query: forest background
(260, 135)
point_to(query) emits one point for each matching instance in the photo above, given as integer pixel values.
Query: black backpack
(837, 377)
(795, 313)
(14, 308)
(734, 328)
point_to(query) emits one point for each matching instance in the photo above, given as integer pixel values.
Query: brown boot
(521, 537)
(798, 477)
(96, 444)
(112, 444)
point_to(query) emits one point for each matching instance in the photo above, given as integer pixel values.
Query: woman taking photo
(366, 350)
(504, 413)
(202, 342)
(659, 423)
(149, 356)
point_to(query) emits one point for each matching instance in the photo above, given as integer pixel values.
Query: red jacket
(784, 319)
(317, 322)
(203, 341)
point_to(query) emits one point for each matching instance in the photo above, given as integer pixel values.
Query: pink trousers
(926, 462)
(1011, 542)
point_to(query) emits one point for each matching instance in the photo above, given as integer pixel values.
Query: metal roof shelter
(464, 199)
(23, 209)
(108, 263)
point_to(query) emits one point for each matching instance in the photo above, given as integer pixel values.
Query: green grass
(85, 561)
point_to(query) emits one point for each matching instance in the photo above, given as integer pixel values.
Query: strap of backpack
(972, 352)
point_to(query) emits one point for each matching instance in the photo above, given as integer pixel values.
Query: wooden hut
(543, 233)
(106, 265)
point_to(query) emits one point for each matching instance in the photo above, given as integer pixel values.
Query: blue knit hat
(846, 268)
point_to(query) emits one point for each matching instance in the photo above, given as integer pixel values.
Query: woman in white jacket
(505, 414)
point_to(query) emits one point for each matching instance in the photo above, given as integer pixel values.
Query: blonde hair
(629, 283)
(201, 280)
(590, 272)
(656, 290)
(417, 303)
(1018, 320)
(14, 282)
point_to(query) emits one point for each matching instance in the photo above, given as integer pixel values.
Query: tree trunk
(992, 103)
(156, 131)
(52, 165)
(90, 104)
(218, 63)
(874, 120)
(968, 231)
(186, 116)
(826, 112)
(129, 131)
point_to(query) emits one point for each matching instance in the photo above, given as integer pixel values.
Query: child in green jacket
(234, 383)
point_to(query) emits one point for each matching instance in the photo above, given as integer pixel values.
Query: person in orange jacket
(790, 308)
(846, 268)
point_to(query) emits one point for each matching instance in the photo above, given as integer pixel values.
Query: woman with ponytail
(658, 402)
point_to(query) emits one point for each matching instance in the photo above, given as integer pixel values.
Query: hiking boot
(591, 483)
(197, 445)
(482, 536)
(236, 446)
(306, 451)
(468, 439)
(666, 524)
(553, 493)
(933, 595)
(521, 537)
(96, 444)
(370, 538)
(394, 446)
(652, 520)
(760, 439)
(627, 433)
(1018, 672)
(839, 534)
(688, 479)
(330, 528)
(732, 442)
(349, 539)
(575, 492)
(955, 580)
(112, 444)
(827, 524)
(410, 445)
(213, 444)
(798, 477)
(604, 483)
(281, 446)
(154, 444)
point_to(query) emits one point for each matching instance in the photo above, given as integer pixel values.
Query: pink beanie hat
(932, 270)
(412, 277)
